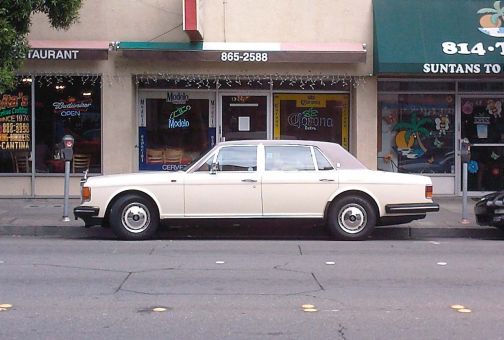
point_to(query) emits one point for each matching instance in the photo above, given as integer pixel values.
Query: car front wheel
(351, 218)
(134, 217)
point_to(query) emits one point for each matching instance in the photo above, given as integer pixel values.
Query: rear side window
(322, 162)
(288, 158)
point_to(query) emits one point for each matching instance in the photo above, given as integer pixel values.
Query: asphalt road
(251, 289)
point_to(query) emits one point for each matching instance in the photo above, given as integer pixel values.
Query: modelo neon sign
(174, 123)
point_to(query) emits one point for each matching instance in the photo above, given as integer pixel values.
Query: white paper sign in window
(243, 123)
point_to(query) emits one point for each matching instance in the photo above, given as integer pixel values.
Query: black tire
(351, 218)
(133, 217)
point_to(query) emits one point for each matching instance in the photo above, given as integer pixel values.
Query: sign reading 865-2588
(244, 56)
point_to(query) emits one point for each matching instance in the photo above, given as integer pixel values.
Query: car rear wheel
(351, 218)
(133, 217)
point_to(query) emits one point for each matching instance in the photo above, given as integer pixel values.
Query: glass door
(244, 116)
(482, 122)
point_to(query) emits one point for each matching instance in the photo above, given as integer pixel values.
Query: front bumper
(88, 214)
(490, 210)
(411, 208)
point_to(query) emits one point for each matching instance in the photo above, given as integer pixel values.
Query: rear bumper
(88, 214)
(411, 208)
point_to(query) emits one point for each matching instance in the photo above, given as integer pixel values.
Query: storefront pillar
(364, 123)
(119, 127)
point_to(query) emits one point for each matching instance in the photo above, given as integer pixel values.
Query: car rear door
(297, 181)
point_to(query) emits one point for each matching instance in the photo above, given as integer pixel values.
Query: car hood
(133, 179)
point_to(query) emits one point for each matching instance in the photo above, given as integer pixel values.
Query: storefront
(181, 116)
(441, 79)
(40, 110)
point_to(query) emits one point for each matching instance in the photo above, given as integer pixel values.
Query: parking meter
(67, 151)
(465, 150)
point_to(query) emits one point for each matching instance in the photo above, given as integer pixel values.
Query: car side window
(322, 162)
(288, 158)
(237, 158)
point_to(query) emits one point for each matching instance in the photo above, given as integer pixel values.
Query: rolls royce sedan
(259, 179)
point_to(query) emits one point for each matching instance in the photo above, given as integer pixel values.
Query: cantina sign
(15, 123)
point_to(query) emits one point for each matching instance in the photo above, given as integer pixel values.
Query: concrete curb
(380, 233)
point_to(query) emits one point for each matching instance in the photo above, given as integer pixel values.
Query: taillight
(86, 194)
(428, 191)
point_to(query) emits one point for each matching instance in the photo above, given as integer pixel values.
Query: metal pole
(464, 194)
(67, 180)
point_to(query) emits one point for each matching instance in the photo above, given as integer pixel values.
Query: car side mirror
(214, 168)
(338, 165)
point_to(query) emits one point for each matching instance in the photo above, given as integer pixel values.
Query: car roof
(276, 142)
(335, 152)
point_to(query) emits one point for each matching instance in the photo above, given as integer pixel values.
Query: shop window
(323, 117)
(483, 124)
(488, 86)
(15, 129)
(175, 131)
(303, 83)
(416, 86)
(67, 105)
(417, 133)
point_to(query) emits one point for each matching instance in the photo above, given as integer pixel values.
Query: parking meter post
(465, 153)
(66, 195)
(464, 220)
(67, 153)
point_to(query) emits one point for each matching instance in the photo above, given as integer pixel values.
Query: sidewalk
(43, 217)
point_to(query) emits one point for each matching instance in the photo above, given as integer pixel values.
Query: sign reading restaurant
(67, 50)
(46, 54)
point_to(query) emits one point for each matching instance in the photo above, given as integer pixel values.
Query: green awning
(439, 37)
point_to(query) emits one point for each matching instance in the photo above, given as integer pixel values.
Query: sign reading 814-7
(450, 47)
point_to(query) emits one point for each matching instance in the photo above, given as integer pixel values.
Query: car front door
(228, 185)
(298, 181)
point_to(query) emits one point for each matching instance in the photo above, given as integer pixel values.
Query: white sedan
(259, 179)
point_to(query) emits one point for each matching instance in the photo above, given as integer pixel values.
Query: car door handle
(249, 180)
(326, 180)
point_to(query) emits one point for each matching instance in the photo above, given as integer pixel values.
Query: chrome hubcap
(135, 217)
(352, 218)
